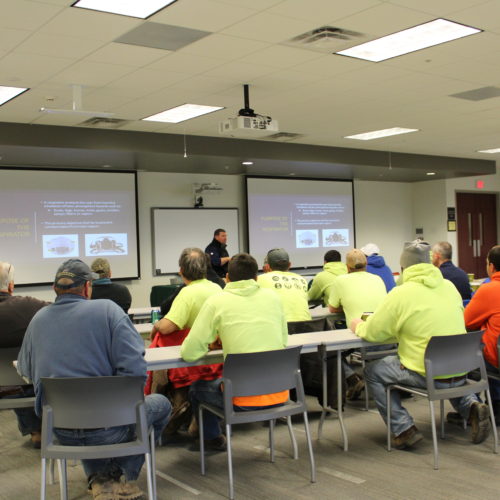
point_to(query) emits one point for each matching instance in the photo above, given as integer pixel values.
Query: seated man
(355, 293)
(290, 287)
(483, 312)
(181, 316)
(441, 258)
(376, 265)
(103, 288)
(323, 281)
(15, 314)
(424, 305)
(77, 337)
(246, 318)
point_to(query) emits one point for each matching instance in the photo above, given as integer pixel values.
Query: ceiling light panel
(377, 134)
(131, 8)
(8, 93)
(409, 40)
(182, 113)
(491, 151)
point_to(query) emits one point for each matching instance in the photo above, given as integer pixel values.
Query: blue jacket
(376, 265)
(458, 277)
(76, 337)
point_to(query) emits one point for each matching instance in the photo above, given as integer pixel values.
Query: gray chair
(10, 377)
(253, 374)
(447, 355)
(92, 403)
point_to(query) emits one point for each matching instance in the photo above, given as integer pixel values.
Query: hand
(354, 324)
(154, 330)
(215, 345)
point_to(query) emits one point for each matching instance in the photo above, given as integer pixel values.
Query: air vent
(97, 122)
(479, 94)
(327, 39)
(284, 136)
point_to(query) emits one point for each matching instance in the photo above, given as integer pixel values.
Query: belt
(451, 379)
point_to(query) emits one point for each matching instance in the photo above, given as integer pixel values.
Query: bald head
(6, 277)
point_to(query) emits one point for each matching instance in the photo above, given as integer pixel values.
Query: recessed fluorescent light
(132, 8)
(247, 162)
(495, 150)
(409, 40)
(431, 173)
(8, 93)
(182, 113)
(377, 134)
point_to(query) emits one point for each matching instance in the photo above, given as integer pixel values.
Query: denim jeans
(386, 371)
(27, 419)
(209, 391)
(493, 384)
(157, 409)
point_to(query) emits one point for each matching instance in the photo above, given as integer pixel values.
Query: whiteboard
(174, 229)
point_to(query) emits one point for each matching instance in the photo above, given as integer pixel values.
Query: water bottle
(155, 316)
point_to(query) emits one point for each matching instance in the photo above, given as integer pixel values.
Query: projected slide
(306, 217)
(51, 216)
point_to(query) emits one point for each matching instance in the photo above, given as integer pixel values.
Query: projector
(251, 126)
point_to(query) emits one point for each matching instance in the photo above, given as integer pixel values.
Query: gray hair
(6, 275)
(443, 248)
(193, 264)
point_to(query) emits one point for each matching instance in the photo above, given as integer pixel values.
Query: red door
(476, 230)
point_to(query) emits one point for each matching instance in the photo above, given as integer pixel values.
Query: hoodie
(424, 305)
(376, 265)
(323, 281)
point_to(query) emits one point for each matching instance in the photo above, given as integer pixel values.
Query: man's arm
(164, 326)
(202, 333)
(24, 367)
(315, 291)
(478, 310)
(334, 302)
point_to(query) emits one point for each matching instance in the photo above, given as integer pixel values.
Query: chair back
(8, 374)
(312, 325)
(257, 373)
(92, 402)
(454, 354)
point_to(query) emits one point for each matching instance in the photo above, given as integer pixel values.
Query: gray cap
(277, 256)
(415, 253)
(73, 273)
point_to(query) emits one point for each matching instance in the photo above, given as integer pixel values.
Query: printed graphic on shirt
(289, 283)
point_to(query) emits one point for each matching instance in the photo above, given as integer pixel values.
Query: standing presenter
(218, 253)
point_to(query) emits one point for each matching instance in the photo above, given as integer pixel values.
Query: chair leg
(43, 485)
(292, 437)
(230, 462)
(152, 445)
(63, 478)
(367, 395)
(310, 448)
(441, 411)
(321, 421)
(150, 472)
(51, 470)
(493, 423)
(324, 377)
(202, 441)
(434, 436)
(388, 403)
(271, 440)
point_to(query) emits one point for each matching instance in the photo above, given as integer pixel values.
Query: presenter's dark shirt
(15, 316)
(104, 289)
(458, 277)
(217, 250)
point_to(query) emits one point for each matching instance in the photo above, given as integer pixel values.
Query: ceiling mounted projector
(248, 123)
(77, 108)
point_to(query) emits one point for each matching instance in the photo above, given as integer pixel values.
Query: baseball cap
(73, 273)
(277, 255)
(370, 249)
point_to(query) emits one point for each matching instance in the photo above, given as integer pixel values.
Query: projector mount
(248, 111)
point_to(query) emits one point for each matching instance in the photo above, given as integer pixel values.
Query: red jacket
(483, 313)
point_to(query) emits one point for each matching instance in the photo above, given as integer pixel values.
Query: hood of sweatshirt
(336, 268)
(242, 287)
(425, 274)
(376, 260)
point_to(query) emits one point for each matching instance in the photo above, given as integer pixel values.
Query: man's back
(118, 293)
(76, 337)
(15, 314)
(292, 289)
(323, 281)
(458, 277)
(376, 265)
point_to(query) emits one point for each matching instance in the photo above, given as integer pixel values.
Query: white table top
(143, 327)
(161, 358)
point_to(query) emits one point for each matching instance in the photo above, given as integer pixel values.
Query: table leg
(339, 400)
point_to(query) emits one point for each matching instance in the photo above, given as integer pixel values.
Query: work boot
(455, 418)
(103, 488)
(36, 440)
(407, 438)
(355, 386)
(480, 422)
(128, 490)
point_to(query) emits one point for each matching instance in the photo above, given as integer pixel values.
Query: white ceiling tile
(239, 72)
(84, 23)
(142, 126)
(207, 15)
(144, 81)
(26, 15)
(254, 4)
(225, 47)
(321, 11)
(128, 55)
(331, 65)
(439, 9)
(185, 63)
(58, 46)
(269, 28)
(91, 73)
(202, 85)
(9, 39)
(280, 56)
(68, 120)
(485, 16)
